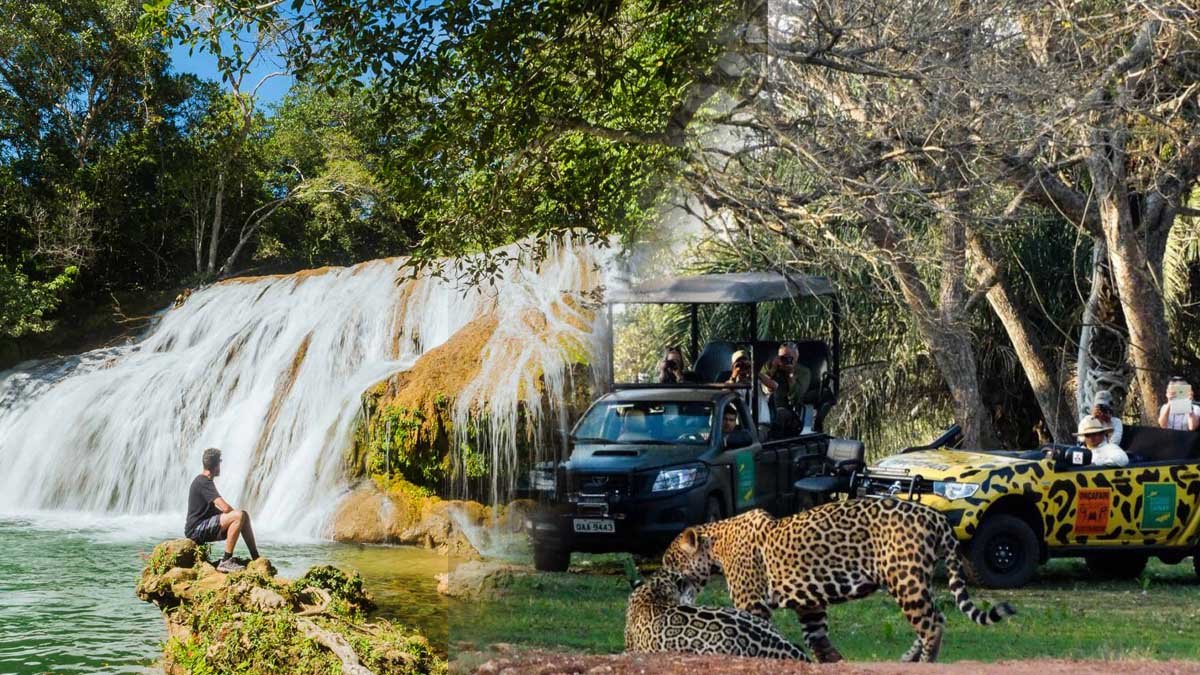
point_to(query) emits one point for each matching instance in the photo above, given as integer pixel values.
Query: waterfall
(271, 371)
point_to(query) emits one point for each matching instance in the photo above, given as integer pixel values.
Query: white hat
(738, 355)
(1103, 397)
(1091, 425)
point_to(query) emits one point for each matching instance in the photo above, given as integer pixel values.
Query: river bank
(67, 601)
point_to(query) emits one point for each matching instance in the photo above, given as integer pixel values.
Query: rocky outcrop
(478, 579)
(217, 623)
(400, 513)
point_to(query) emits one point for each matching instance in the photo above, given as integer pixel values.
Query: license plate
(588, 525)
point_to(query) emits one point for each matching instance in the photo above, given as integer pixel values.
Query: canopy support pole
(695, 333)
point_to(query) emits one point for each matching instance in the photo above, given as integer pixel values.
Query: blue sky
(205, 65)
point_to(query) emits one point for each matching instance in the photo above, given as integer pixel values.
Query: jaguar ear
(689, 540)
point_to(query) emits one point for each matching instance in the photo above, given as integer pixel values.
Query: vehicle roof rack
(737, 287)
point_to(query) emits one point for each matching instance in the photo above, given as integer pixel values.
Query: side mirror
(738, 438)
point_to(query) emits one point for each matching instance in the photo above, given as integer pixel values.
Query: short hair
(212, 457)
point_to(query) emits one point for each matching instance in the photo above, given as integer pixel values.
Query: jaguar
(829, 554)
(661, 618)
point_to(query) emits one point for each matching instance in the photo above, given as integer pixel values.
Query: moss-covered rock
(253, 621)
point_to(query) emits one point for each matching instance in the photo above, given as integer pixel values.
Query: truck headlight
(542, 480)
(953, 490)
(679, 479)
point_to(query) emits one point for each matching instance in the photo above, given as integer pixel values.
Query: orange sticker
(1091, 511)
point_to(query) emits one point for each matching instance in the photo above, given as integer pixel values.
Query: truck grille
(600, 483)
(879, 484)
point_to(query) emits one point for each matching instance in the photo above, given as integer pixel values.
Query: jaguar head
(691, 556)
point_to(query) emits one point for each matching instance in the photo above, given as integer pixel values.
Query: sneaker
(230, 565)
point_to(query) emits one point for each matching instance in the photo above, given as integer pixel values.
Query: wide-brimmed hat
(739, 354)
(1104, 397)
(1091, 425)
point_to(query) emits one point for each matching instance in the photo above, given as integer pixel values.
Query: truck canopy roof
(740, 287)
(681, 393)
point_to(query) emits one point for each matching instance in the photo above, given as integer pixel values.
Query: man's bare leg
(248, 535)
(231, 523)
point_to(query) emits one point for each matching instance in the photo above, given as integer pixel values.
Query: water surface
(67, 602)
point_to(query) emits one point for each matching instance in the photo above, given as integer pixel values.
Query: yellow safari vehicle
(1014, 510)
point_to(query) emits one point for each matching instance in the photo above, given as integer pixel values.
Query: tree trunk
(218, 209)
(1140, 294)
(948, 340)
(1039, 371)
(1101, 363)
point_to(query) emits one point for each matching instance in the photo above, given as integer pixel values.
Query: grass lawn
(1062, 614)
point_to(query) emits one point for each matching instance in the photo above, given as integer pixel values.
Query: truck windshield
(652, 422)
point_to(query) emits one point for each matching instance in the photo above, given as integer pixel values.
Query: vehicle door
(749, 476)
(1102, 506)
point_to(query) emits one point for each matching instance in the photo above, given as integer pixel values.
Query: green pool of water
(67, 602)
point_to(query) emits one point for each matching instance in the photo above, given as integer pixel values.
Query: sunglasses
(786, 360)
(741, 363)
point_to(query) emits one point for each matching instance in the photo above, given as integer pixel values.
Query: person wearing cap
(1094, 435)
(1102, 410)
(742, 373)
(1180, 421)
(211, 518)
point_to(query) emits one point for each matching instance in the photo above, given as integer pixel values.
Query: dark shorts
(208, 530)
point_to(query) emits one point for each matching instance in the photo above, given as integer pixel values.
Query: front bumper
(920, 490)
(644, 524)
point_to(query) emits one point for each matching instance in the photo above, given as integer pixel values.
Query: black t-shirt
(200, 502)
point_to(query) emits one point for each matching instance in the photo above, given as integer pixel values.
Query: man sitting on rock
(211, 518)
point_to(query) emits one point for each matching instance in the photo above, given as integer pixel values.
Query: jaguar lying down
(829, 554)
(660, 619)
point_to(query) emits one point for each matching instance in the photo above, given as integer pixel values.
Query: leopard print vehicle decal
(1055, 494)
(830, 554)
(659, 620)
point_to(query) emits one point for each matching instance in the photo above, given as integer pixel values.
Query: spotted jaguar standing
(829, 554)
(660, 618)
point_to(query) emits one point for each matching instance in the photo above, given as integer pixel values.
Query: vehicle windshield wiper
(599, 441)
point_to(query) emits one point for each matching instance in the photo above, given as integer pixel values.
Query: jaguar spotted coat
(660, 619)
(830, 554)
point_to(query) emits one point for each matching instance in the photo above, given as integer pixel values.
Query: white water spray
(271, 371)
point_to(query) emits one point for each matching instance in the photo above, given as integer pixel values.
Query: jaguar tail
(952, 551)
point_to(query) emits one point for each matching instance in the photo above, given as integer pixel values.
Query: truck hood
(622, 457)
(948, 464)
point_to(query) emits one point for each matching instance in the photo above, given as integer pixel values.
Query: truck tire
(547, 559)
(1116, 565)
(1003, 553)
(713, 510)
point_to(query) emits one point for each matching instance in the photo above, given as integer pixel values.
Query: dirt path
(549, 663)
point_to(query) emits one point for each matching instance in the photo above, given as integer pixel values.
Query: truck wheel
(1004, 552)
(713, 511)
(1116, 565)
(546, 559)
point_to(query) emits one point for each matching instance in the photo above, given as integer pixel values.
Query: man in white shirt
(1094, 435)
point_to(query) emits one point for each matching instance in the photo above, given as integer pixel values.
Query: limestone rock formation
(220, 622)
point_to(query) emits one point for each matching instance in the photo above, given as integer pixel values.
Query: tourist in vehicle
(1094, 435)
(742, 373)
(1187, 419)
(211, 518)
(670, 370)
(785, 380)
(1102, 410)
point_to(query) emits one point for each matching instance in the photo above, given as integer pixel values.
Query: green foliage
(500, 115)
(25, 304)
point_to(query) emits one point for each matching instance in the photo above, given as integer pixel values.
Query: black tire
(1004, 552)
(1116, 565)
(713, 511)
(547, 559)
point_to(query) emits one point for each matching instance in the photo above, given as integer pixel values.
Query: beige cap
(1103, 397)
(1091, 425)
(739, 354)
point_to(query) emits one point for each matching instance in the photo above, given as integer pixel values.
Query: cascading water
(271, 371)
